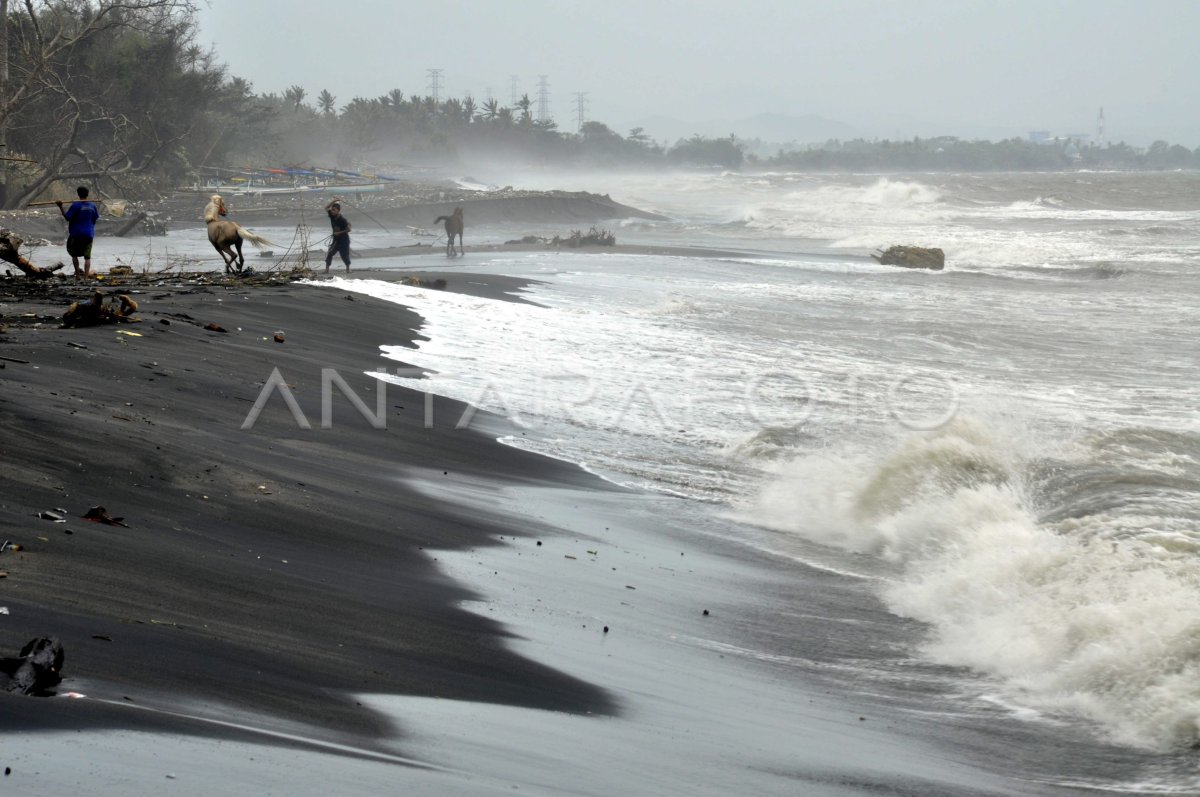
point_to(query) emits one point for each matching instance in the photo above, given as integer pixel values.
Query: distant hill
(773, 128)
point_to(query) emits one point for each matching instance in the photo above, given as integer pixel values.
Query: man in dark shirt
(341, 235)
(81, 229)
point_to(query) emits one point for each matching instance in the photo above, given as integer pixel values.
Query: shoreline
(401, 631)
(224, 523)
(434, 600)
(184, 211)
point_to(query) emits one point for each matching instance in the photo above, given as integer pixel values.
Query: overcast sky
(974, 68)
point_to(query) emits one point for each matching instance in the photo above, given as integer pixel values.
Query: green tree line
(117, 94)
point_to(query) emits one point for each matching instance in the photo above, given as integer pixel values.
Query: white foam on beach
(699, 714)
(1073, 623)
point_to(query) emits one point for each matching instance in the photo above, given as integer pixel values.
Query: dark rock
(35, 670)
(912, 257)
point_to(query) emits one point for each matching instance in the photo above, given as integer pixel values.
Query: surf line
(291, 737)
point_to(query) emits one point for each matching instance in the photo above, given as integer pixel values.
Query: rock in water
(912, 257)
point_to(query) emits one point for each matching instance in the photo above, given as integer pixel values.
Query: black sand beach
(265, 572)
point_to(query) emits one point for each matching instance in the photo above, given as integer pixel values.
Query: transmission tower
(580, 108)
(435, 84)
(543, 112)
(514, 82)
(1100, 141)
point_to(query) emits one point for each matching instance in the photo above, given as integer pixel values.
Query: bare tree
(45, 50)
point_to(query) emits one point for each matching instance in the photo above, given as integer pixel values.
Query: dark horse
(454, 226)
(227, 236)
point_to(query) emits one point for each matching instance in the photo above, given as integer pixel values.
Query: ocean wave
(1091, 610)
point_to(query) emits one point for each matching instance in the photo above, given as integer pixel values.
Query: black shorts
(79, 246)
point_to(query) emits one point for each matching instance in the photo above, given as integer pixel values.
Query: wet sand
(273, 569)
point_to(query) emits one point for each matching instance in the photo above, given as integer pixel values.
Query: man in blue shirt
(81, 229)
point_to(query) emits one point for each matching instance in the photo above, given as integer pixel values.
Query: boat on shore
(288, 181)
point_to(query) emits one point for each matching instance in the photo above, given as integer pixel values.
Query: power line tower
(435, 84)
(543, 112)
(514, 83)
(580, 109)
(1100, 140)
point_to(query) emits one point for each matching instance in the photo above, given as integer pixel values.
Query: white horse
(227, 236)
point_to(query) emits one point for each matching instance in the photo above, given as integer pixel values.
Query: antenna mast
(543, 113)
(581, 108)
(435, 84)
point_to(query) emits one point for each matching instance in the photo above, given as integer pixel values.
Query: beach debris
(10, 245)
(11, 546)
(102, 637)
(214, 327)
(95, 311)
(53, 515)
(99, 514)
(3, 610)
(706, 612)
(578, 238)
(121, 271)
(75, 345)
(606, 629)
(279, 337)
(911, 257)
(418, 282)
(34, 671)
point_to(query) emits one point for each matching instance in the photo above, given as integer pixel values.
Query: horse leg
(221, 252)
(241, 258)
(461, 251)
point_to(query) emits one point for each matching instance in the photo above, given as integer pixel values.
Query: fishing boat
(289, 181)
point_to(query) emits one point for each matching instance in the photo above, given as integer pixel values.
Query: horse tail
(254, 238)
(441, 218)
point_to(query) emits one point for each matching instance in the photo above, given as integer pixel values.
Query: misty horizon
(865, 69)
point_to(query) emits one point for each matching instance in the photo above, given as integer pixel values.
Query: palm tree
(491, 109)
(397, 99)
(295, 96)
(326, 101)
(469, 108)
(524, 104)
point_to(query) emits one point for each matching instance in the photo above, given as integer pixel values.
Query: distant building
(1046, 137)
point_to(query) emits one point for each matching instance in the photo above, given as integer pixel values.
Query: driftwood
(10, 245)
(94, 312)
(35, 670)
(912, 257)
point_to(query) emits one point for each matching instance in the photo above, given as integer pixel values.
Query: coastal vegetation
(120, 95)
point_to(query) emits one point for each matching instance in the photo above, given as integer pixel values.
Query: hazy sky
(909, 67)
